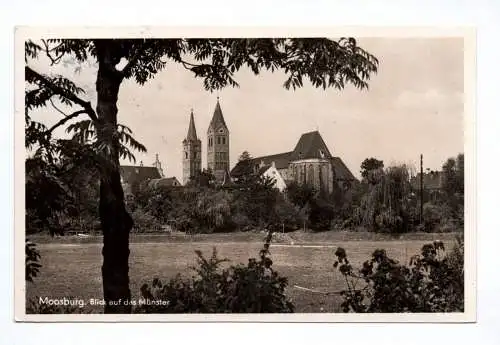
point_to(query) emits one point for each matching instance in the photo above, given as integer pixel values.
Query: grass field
(71, 266)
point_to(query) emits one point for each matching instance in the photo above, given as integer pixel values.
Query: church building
(217, 148)
(310, 162)
(191, 159)
(218, 145)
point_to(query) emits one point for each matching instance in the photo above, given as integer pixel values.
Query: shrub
(240, 220)
(32, 261)
(321, 214)
(432, 282)
(251, 288)
(143, 221)
(288, 215)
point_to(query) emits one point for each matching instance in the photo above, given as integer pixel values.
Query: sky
(414, 105)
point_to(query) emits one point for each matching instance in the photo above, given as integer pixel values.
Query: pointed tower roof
(218, 118)
(191, 134)
(311, 145)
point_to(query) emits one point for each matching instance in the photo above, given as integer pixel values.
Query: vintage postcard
(246, 174)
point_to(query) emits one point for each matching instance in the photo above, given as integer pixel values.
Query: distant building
(133, 176)
(157, 165)
(309, 163)
(167, 182)
(433, 181)
(191, 159)
(272, 172)
(218, 145)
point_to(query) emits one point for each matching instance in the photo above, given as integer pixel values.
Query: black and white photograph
(245, 175)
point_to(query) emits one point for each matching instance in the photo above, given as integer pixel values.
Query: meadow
(71, 265)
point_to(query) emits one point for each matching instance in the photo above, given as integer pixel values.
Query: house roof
(342, 172)
(217, 118)
(164, 182)
(280, 160)
(263, 169)
(310, 145)
(137, 174)
(191, 134)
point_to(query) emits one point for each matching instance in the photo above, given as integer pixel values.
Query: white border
(81, 32)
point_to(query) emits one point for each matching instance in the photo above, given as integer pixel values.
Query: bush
(32, 260)
(241, 220)
(144, 222)
(433, 282)
(251, 288)
(289, 215)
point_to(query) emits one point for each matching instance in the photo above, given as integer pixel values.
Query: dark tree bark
(115, 220)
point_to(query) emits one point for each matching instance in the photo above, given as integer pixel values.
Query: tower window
(223, 141)
(218, 140)
(186, 155)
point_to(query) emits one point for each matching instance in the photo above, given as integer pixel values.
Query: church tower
(191, 155)
(218, 145)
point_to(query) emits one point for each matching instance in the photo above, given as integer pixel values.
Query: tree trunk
(115, 220)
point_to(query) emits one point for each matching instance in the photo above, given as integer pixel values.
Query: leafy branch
(62, 87)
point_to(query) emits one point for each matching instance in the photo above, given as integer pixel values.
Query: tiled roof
(342, 172)
(218, 118)
(280, 160)
(310, 145)
(164, 182)
(263, 169)
(138, 174)
(191, 134)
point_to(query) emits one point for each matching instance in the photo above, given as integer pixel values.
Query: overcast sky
(414, 105)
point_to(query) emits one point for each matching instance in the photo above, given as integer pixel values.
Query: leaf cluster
(252, 288)
(32, 261)
(432, 282)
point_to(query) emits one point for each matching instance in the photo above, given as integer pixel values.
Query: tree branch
(132, 62)
(44, 81)
(56, 108)
(66, 119)
(54, 60)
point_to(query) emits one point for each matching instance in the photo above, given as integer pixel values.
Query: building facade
(191, 155)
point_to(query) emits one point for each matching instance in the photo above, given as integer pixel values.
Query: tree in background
(324, 62)
(300, 195)
(202, 179)
(447, 210)
(245, 156)
(46, 196)
(454, 175)
(370, 169)
(386, 205)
